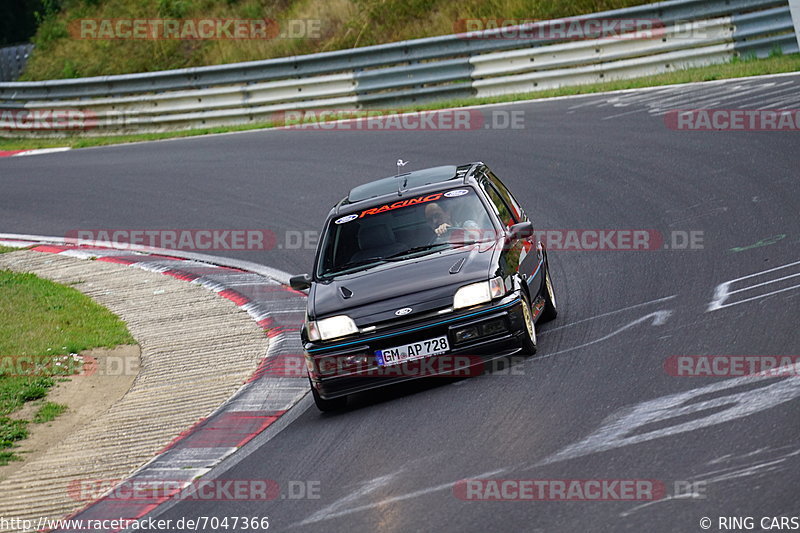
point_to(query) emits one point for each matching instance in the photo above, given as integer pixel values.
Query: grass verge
(736, 69)
(44, 325)
(48, 412)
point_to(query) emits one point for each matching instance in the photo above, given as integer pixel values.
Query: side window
(502, 209)
(516, 209)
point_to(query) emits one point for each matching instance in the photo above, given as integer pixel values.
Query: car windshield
(409, 227)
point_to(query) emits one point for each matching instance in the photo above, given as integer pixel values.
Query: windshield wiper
(414, 250)
(350, 265)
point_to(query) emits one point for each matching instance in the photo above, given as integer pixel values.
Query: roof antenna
(401, 163)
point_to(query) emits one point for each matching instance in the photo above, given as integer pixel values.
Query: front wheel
(529, 333)
(336, 404)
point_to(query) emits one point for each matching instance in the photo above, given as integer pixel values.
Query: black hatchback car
(431, 272)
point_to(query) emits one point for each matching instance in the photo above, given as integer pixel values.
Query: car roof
(406, 184)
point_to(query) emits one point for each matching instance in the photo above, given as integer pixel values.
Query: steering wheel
(446, 236)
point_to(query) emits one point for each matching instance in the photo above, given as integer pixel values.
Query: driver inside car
(441, 220)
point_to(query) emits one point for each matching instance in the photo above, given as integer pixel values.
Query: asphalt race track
(596, 403)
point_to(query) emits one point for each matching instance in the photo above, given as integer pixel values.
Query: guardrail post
(794, 7)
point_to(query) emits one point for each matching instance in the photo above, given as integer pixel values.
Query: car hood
(420, 283)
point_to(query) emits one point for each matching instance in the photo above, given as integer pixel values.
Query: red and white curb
(38, 151)
(276, 386)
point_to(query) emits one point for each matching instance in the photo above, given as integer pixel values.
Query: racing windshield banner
(402, 203)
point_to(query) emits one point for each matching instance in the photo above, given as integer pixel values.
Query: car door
(521, 255)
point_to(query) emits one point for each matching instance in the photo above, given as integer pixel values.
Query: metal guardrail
(695, 32)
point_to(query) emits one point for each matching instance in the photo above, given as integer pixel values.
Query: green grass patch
(43, 324)
(6, 249)
(45, 318)
(48, 412)
(736, 69)
(11, 431)
(7, 457)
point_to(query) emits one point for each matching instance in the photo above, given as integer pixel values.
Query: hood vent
(456, 268)
(346, 293)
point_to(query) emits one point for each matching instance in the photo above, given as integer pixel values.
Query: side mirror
(523, 230)
(301, 282)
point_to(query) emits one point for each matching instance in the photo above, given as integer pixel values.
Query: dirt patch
(107, 375)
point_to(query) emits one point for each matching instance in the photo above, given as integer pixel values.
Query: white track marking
(339, 507)
(624, 427)
(629, 512)
(755, 297)
(721, 475)
(626, 113)
(722, 291)
(764, 283)
(700, 94)
(659, 300)
(659, 318)
(660, 102)
(716, 99)
(41, 151)
(781, 104)
(762, 97)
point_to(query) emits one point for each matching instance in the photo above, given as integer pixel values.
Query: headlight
(331, 328)
(478, 293)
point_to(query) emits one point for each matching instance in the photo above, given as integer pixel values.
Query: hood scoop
(346, 293)
(456, 268)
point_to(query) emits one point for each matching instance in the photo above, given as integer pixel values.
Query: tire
(336, 404)
(528, 338)
(550, 311)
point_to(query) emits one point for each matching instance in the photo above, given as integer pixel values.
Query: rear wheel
(529, 332)
(336, 404)
(550, 311)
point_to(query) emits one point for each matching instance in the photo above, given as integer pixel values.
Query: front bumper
(347, 366)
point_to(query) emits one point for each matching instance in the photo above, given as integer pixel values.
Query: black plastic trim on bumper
(479, 352)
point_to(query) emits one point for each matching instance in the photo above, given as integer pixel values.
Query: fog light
(466, 334)
(326, 366)
(355, 360)
(493, 327)
(336, 363)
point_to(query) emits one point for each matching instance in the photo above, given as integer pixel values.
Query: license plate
(409, 352)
